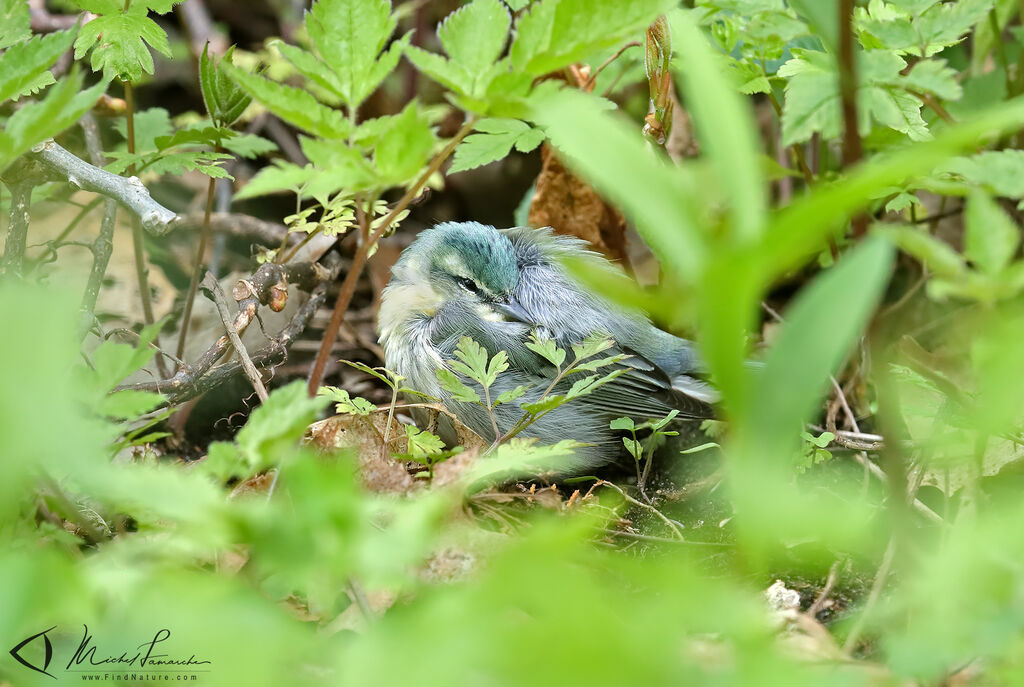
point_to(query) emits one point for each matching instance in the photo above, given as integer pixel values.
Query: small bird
(503, 287)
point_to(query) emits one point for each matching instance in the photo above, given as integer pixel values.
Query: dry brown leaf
(571, 207)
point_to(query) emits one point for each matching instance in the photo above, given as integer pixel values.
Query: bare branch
(266, 287)
(247, 227)
(128, 191)
(211, 285)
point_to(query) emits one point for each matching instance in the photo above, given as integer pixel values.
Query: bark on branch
(268, 286)
(128, 191)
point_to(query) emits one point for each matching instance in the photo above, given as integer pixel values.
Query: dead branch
(211, 285)
(268, 286)
(103, 246)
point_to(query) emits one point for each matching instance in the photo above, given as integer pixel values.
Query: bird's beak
(511, 310)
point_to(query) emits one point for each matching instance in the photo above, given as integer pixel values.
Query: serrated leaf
(474, 37)
(404, 148)
(150, 125)
(293, 105)
(553, 34)
(118, 44)
(346, 404)
(422, 443)
(349, 36)
(208, 135)
(454, 386)
(511, 395)
(496, 142)
(225, 101)
(545, 405)
(591, 346)
(276, 178)
(991, 237)
(622, 423)
(249, 146)
(474, 359)
(813, 103)
(935, 77)
(63, 105)
(498, 364)
(25, 66)
(547, 349)
(15, 22)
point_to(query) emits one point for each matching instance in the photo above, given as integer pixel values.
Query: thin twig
(618, 53)
(646, 506)
(211, 285)
(199, 377)
(819, 601)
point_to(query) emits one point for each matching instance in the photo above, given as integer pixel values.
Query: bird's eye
(468, 284)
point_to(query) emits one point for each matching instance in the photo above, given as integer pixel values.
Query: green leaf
(453, 385)
(474, 360)
(546, 348)
(25, 65)
(120, 45)
(15, 22)
(553, 34)
(275, 178)
(634, 447)
(702, 447)
(474, 37)
(820, 328)
(277, 425)
(404, 148)
(64, 104)
(348, 36)
(249, 146)
(225, 101)
(498, 364)
(800, 229)
(991, 237)
(622, 423)
(496, 142)
(511, 395)
(128, 404)
(936, 255)
(1000, 171)
(822, 16)
(293, 105)
(591, 346)
(422, 443)
(346, 404)
(935, 77)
